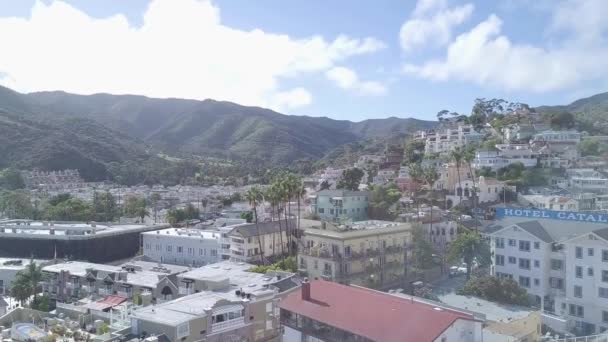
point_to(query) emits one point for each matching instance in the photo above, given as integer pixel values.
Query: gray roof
(603, 233)
(549, 230)
(536, 229)
(251, 229)
(341, 193)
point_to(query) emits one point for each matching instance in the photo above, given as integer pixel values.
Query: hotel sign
(552, 214)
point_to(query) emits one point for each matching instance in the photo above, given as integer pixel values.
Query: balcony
(71, 285)
(228, 325)
(105, 292)
(126, 294)
(184, 291)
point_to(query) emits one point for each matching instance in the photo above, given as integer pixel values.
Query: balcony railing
(228, 325)
(105, 292)
(124, 294)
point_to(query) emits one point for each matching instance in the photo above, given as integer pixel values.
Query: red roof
(372, 314)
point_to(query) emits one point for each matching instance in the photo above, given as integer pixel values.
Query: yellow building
(367, 253)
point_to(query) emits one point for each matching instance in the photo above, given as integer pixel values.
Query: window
(331, 211)
(169, 248)
(512, 242)
(605, 276)
(500, 242)
(512, 260)
(524, 246)
(576, 310)
(524, 281)
(321, 210)
(578, 251)
(536, 282)
(605, 316)
(578, 291)
(590, 271)
(536, 263)
(524, 263)
(578, 271)
(180, 249)
(500, 260)
(536, 245)
(556, 283)
(556, 264)
(602, 292)
(316, 265)
(605, 255)
(214, 252)
(590, 252)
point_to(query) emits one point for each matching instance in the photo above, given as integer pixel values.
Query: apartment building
(561, 203)
(570, 137)
(587, 180)
(562, 263)
(183, 246)
(367, 253)
(505, 155)
(327, 311)
(74, 280)
(273, 237)
(448, 139)
(340, 205)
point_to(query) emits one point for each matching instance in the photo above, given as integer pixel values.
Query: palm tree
(456, 156)
(416, 174)
(277, 195)
(253, 196)
(431, 176)
(469, 247)
(468, 156)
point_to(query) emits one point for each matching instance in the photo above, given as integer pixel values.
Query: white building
(505, 155)
(488, 190)
(446, 140)
(572, 137)
(587, 180)
(563, 264)
(272, 236)
(560, 203)
(183, 246)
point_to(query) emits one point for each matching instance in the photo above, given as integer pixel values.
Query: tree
(154, 199)
(431, 176)
(561, 120)
(414, 151)
(59, 199)
(381, 199)
(456, 155)
(104, 207)
(247, 216)
(504, 291)
(71, 209)
(417, 175)
(17, 205)
(136, 207)
(26, 282)
(253, 196)
(350, 179)
(422, 252)
(324, 185)
(11, 179)
(469, 247)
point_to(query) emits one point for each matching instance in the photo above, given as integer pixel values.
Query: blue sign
(552, 214)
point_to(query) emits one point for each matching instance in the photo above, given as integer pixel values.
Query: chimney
(305, 289)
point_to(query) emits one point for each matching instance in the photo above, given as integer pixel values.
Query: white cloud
(346, 78)
(181, 50)
(432, 23)
(487, 57)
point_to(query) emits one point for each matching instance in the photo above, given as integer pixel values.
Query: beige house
(367, 253)
(244, 245)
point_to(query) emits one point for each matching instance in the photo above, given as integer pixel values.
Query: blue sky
(320, 58)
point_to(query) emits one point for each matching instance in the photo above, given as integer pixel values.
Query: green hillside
(591, 113)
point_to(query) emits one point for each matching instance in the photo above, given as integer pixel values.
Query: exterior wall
(247, 249)
(351, 207)
(7, 276)
(181, 250)
(462, 330)
(377, 260)
(538, 273)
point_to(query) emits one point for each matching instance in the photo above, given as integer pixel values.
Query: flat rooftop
(187, 233)
(237, 274)
(79, 268)
(68, 230)
(355, 229)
